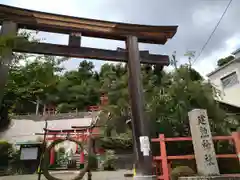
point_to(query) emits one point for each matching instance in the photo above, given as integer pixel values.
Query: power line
(209, 38)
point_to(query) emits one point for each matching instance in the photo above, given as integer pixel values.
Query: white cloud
(206, 16)
(208, 64)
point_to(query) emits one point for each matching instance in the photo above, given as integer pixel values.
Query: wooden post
(9, 29)
(44, 144)
(165, 171)
(139, 122)
(236, 139)
(76, 147)
(74, 40)
(89, 175)
(52, 153)
(82, 159)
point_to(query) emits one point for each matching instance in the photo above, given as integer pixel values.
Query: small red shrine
(49, 109)
(80, 133)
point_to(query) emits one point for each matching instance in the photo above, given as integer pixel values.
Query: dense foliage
(169, 96)
(6, 62)
(37, 81)
(6, 151)
(225, 60)
(10, 159)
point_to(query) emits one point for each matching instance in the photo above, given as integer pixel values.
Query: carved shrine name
(205, 136)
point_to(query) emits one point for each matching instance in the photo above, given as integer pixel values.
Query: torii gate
(76, 133)
(79, 133)
(12, 18)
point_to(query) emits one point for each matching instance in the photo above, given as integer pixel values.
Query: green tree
(6, 151)
(6, 44)
(78, 89)
(169, 96)
(34, 83)
(114, 83)
(225, 60)
(168, 99)
(170, 106)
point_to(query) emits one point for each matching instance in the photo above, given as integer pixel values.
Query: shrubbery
(6, 151)
(92, 161)
(181, 171)
(110, 160)
(10, 163)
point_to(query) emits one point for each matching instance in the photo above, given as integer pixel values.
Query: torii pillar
(52, 153)
(139, 122)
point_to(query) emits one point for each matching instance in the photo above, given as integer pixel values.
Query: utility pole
(44, 144)
(139, 122)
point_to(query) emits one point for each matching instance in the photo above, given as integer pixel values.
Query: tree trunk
(37, 106)
(44, 109)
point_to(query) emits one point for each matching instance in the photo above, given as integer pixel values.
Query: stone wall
(53, 116)
(125, 161)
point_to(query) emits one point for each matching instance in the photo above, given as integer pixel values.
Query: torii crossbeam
(12, 18)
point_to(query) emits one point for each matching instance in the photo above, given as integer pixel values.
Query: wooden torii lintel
(56, 23)
(76, 27)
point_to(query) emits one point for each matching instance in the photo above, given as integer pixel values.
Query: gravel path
(103, 175)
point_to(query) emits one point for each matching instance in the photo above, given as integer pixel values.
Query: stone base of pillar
(232, 177)
(143, 177)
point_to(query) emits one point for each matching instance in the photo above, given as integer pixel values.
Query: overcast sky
(195, 18)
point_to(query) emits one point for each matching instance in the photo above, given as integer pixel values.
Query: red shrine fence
(163, 161)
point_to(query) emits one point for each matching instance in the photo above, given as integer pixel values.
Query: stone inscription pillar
(202, 142)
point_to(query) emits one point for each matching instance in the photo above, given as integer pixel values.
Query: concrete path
(67, 175)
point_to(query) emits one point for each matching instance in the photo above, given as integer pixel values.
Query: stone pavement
(103, 175)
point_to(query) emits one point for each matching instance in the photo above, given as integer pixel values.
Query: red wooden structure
(78, 134)
(104, 99)
(94, 108)
(165, 167)
(49, 109)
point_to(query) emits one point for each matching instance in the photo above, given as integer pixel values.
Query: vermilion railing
(165, 159)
